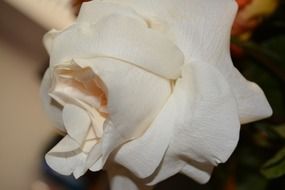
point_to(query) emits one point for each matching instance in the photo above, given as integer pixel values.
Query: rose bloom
(148, 85)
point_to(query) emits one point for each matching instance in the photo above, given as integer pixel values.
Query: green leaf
(276, 47)
(270, 55)
(280, 130)
(275, 167)
(252, 181)
(276, 44)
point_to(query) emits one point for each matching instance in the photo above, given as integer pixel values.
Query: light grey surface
(47, 13)
(24, 128)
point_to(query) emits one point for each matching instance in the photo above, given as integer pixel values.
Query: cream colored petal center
(74, 85)
(82, 84)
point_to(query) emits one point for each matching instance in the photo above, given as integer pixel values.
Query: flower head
(150, 83)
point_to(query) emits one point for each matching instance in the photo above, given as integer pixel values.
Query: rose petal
(93, 157)
(93, 161)
(201, 29)
(48, 39)
(97, 165)
(133, 101)
(208, 39)
(112, 37)
(169, 166)
(200, 173)
(94, 11)
(52, 108)
(76, 121)
(143, 163)
(121, 179)
(215, 117)
(66, 156)
(143, 155)
(252, 103)
(204, 125)
(75, 85)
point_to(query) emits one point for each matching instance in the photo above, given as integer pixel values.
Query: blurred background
(258, 51)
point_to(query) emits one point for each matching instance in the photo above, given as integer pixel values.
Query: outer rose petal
(94, 158)
(76, 121)
(49, 38)
(112, 37)
(252, 102)
(122, 179)
(201, 29)
(66, 157)
(135, 97)
(202, 126)
(199, 172)
(53, 109)
(143, 155)
(94, 11)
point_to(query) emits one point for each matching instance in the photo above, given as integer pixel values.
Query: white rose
(153, 84)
